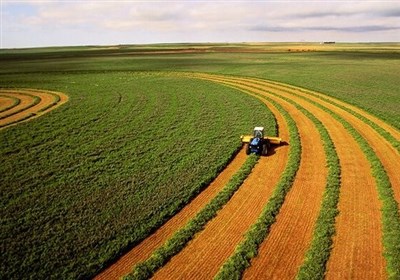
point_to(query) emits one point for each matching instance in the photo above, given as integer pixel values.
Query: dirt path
(143, 250)
(27, 109)
(203, 256)
(357, 251)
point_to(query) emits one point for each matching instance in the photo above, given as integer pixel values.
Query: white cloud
(104, 22)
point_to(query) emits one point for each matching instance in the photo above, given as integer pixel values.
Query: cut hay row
(145, 248)
(304, 214)
(260, 169)
(31, 103)
(172, 246)
(248, 247)
(26, 101)
(390, 133)
(8, 102)
(203, 257)
(294, 228)
(351, 196)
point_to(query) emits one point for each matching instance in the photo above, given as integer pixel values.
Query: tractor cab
(258, 132)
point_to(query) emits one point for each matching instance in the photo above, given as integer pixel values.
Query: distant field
(365, 75)
(145, 131)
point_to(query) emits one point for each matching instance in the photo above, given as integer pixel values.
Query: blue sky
(35, 23)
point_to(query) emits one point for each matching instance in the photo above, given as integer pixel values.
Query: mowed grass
(92, 178)
(84, 183)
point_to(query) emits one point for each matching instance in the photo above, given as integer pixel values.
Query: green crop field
(137, 140)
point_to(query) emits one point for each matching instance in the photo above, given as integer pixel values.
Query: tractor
(258, 143)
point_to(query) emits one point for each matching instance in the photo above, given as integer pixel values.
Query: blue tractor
(258, 143)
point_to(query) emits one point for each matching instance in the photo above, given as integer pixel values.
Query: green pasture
(90, 179)
(366, 75)
(85, 182)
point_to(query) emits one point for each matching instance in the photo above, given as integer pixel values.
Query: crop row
(15, 100)
(318, 253)
(313, 268)
(385, 134)
(127, 149)
(247, 249)
(35, 100)
(390, 211)
(178, 241)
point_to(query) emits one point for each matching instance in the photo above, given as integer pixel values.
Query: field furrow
(386, 152)
(359, 225)
(203, 256)
(143, 250)
(283, 250)
(7, 102)
(25, 102)
(32, 104)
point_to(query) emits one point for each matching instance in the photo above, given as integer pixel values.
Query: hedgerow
(247, 249)
(178, 241)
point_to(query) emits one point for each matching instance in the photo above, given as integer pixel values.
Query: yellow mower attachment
(258, 143)
(272, 140)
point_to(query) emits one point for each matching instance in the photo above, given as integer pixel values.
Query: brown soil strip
(46, 98)
(388, 155)
(5, 102)
(25, 101)
(393, 131)
(283, 251)
(357, 251)
(143, 250)
(204, 255)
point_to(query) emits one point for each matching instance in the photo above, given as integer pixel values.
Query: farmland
(139, 170)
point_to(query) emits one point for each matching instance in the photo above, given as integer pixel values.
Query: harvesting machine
(258, 143)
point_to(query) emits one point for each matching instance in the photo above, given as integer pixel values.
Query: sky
(38, 23)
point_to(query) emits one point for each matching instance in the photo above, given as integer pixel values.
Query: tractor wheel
(248, 149)
(265, 150)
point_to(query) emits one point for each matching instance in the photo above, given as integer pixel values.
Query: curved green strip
(178, 241)
(381, 131)
(16, 101)
(234, 267)
(36, 100)
(390, 210)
